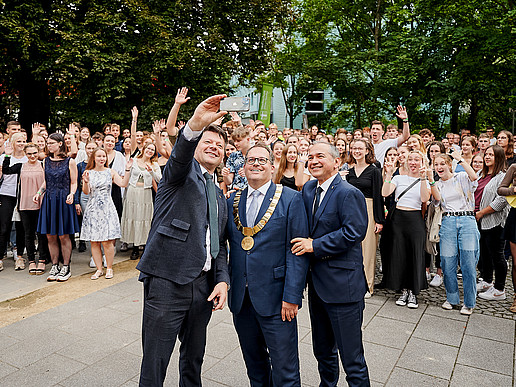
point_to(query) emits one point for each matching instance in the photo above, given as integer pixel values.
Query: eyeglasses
(253, 160)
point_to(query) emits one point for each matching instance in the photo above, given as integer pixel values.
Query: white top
(412, 198)
(381, 148)
(81, 156)
(137, 172)
(10, 185)
(457, 193)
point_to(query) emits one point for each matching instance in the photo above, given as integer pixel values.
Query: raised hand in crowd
(241, 172)
(181, 98)
(8, 150)
(235, 117)
(181, 124)
(271, 140)
(225, 171)
(401, 112)
(206, 113)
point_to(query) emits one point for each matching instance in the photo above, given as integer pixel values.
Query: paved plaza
(94, 339)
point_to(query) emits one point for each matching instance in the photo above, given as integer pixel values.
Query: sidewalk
(94, 340)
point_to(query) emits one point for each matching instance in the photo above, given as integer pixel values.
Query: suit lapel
(241, 208)
(326, 199)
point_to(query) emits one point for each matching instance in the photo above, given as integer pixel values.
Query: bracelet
(432, 183)
(422, 178)
(128, 170)
(388, 181)
(39, 193)
(460, 161)
(405, 120)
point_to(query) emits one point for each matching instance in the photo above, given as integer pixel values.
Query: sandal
(109, 273)
(40, 269)
(32, 268)
(97, 275)
(513, 307)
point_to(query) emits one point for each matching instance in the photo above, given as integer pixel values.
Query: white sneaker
(482, 286)
(447, 305)
(492, 294)
(436, 281)
(367, 295)
(1, 265)
(466, 311)
(92, 263)
(402, 301)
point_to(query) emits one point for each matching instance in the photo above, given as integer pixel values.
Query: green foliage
(452, 63)
(98, 58)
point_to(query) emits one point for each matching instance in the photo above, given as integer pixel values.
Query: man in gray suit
(184, 267)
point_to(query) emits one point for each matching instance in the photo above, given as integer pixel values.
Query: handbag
(390, 214)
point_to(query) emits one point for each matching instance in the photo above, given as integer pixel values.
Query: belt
(460, 213)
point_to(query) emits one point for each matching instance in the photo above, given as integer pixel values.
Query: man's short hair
(217, 130)
(334, 152)
(377, 122)
(261, 144)
(425, 132)
(12, 123)
(239, 133)
(392, 126)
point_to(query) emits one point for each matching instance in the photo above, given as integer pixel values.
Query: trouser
(269, 346)
(30, 222)
(7, 204)
(459, 242)
(338, 326)
(369, 245)
(170, 311)
(492, 256)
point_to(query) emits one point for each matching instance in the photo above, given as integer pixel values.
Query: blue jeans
(460, 239)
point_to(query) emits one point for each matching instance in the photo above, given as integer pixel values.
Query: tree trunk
(454, 117)
(34, 101)
(473, 114)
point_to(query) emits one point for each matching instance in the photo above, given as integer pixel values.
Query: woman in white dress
(138, 205)
(100, 224)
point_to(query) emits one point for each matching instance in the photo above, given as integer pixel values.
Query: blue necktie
(253, 209)
(317, 199)
(212, 215)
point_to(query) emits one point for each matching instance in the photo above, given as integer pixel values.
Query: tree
(91, 60)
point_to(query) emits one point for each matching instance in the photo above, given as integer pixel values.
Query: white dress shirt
(263, 191)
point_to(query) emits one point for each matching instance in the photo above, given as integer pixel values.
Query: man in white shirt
(377, 130)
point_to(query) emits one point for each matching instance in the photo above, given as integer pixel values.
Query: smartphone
(235, 104)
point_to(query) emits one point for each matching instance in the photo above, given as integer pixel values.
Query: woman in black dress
(367, 177)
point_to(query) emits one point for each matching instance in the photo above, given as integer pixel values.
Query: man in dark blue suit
(267, 279)
(184, 267)
(336, 287)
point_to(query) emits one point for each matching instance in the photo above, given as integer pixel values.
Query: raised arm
(156, 128)
(73, 146)
(469, 170)
(388, 187)
(134, 114)
(402, 113)
(181, 98)
(122, 181)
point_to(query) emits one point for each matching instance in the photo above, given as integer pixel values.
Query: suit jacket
(337, 228)
(176, 246)
(272, 272)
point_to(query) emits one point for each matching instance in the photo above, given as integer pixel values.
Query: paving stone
(6, 369)
(487, 355)
(440, 330)
(402, 313)
(113, 370)
(401, 377)
(7, 342)
(84, 305)
(123, 289)
(469, 376)
(385, 331)
(30, 351)
(89, 325)
(97, 347)
(429, 358)
(447, 314)
(133, 324)
(303, 316)
(491, 328)
(130, 305)
(308, 365)
(380, 361)
(222, 339)
(46, 372)
(370, 311)
(376, 300)
(229, 371)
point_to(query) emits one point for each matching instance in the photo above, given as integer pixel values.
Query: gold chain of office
(249, 232)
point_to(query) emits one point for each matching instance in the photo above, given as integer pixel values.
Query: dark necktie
(212, 215)
(317, 199)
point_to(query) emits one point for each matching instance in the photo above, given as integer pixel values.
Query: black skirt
(405, 246)
(509, 232)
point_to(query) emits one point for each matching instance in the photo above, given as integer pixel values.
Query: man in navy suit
(267, 279)
(184, 267)
(336, 287)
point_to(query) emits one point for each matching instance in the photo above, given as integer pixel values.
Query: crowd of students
(443, 204)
